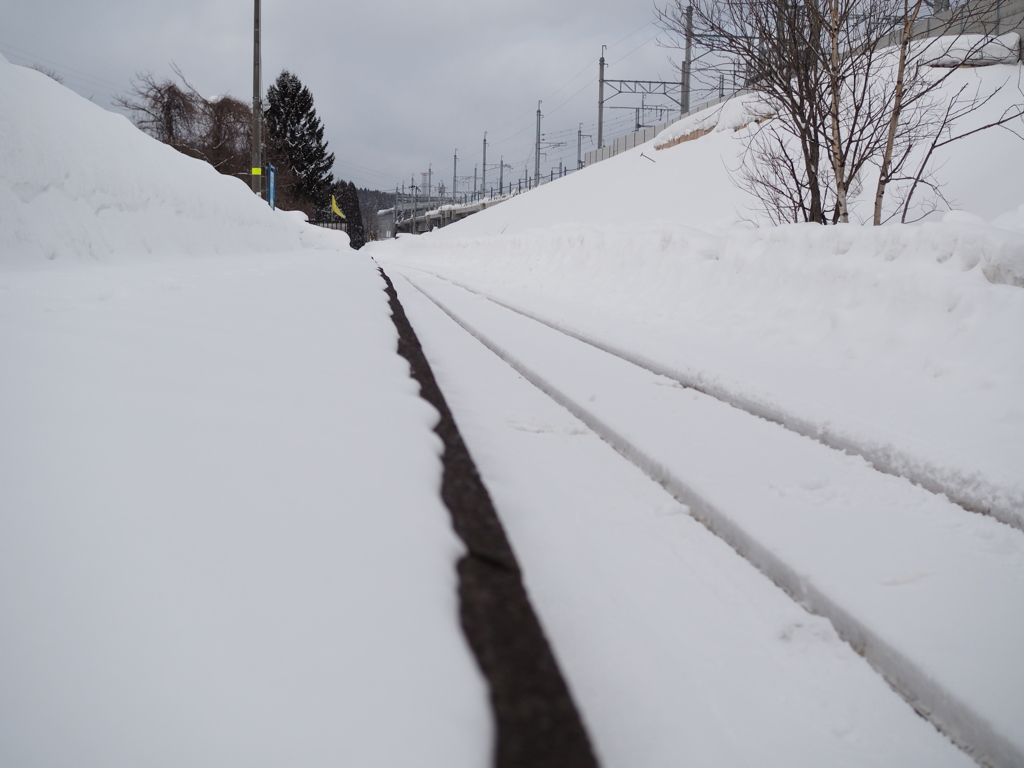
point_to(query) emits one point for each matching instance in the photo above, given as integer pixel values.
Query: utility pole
(455, 174)
(257, 109)
(579, 146)
(483, 184)
(600, 104)
(536, 160)
(430, 180)
(475, 169)
(684, 95)
(501, 175)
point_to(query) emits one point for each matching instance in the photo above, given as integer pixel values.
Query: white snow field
(221, 541)
(221, 538)
(901, 347)
(903, 342)
(899, 571)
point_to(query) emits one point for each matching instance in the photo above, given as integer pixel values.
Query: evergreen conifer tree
(296, 146)
(354, 216)
(347, 197)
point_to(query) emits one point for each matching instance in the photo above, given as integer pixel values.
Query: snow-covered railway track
(930, 594)
(970, 491)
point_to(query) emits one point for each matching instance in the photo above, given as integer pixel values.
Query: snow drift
(904, 343)
(205, 558)
(77, 181)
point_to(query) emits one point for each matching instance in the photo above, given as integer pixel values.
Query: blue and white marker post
(272, 186)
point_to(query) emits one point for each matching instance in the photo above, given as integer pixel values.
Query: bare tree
(917, 116)
(166, 111)
(773, 174)
(781, 46)
(848, 83)
(48, 72)
(215, 130)
(226, 139)
(940, 131)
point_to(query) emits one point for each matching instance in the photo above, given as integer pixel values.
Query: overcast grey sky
(399, 85)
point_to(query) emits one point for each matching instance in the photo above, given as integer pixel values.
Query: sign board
(272, 186)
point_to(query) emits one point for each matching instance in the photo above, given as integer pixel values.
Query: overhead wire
(645, 42)
(589, 64)
(86, 81)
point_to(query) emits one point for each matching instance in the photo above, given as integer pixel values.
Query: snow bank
(905, 340)
(743, 109)
(894, 338)
(211, 552)
(829, 530)
(77, 181)
(951, 51)
(972, 50)
(692, 185)
(614, 563)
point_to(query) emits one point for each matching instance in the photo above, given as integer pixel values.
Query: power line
(73, 77)
(645, 42)
(589, 64)
(581, 90)
(29, 55)
(643, 26)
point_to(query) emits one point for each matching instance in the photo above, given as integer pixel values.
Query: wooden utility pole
(257, 109)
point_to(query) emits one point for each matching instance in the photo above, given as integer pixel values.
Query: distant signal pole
(257, 109)
(600, 102)
(536, 162)
(579, 146)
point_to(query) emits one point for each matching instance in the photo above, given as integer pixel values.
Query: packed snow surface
(898, 570)
(221, 541)
(902, 345)
(903, 341)
(976, 50)
(221, 538)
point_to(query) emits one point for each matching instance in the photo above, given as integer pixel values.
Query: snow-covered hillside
(80, 182)
(903, 343)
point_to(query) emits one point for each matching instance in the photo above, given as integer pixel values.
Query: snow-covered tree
(296, 146)
(347, 197)
(354, 216)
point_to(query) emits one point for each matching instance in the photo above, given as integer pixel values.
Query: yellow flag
(335, 208)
